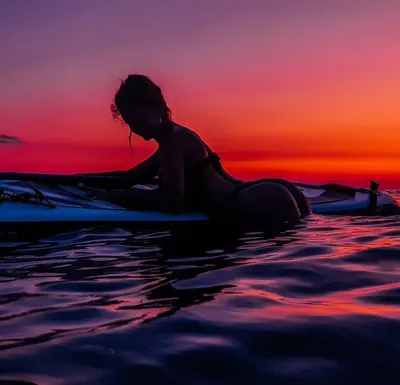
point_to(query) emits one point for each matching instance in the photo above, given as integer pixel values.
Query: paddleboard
(47, 202)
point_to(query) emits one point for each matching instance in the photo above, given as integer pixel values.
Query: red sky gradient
(301, 90)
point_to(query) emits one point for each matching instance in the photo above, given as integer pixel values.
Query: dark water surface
(319, 304)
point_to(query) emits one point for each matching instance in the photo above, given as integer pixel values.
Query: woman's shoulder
(182, 133)
(186, 140)
(186, 132)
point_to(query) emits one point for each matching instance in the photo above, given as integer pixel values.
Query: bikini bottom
(227, 209)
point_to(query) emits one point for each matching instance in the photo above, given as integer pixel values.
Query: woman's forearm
(144, 172)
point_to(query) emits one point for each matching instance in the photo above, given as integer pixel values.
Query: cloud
(9, 139)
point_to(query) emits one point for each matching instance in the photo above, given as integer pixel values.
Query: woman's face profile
(141, 120)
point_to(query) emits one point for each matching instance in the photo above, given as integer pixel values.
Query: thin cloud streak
(9, 139)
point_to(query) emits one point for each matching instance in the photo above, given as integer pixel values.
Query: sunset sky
(305, 90)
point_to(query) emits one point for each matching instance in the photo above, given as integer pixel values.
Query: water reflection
(284, 306)
(136, 275)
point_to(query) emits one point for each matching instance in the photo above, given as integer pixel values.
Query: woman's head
(141, 104)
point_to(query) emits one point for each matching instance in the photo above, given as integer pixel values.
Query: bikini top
(194, 199)
(192, 171)
(212, 158)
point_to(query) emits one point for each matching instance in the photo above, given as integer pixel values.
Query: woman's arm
(171, 197)
(142, 173)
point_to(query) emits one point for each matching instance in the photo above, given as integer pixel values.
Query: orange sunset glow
(305, 92)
